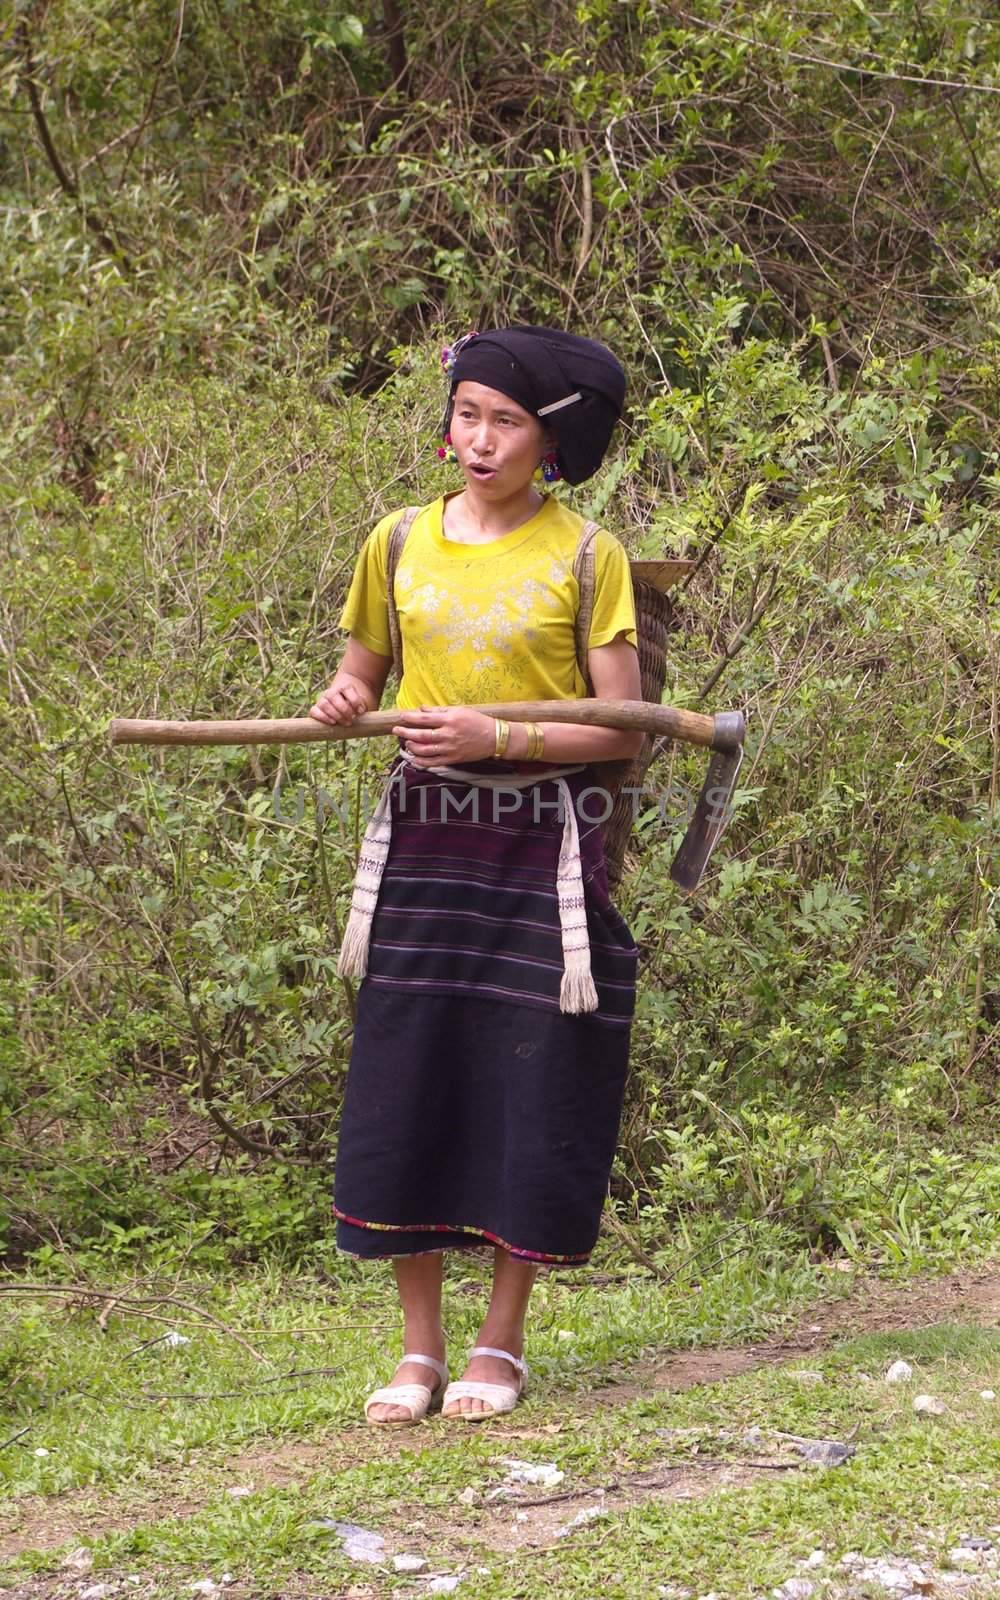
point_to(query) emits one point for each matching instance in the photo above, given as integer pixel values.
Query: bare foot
(409, 1372)
(483, 1369)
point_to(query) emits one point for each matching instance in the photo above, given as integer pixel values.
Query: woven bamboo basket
(655, 619)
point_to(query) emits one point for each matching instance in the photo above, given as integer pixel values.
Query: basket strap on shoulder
(584, 573)
(397, 538)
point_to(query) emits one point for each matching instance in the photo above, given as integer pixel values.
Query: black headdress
(573, 385)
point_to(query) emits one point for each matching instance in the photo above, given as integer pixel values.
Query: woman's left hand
(446, 736)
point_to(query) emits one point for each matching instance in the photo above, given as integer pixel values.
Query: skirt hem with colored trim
(365, 1241)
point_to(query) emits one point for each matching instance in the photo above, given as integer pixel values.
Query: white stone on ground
(359, 1543)
(544, 1473)
(794, 1589)
(899, 1372)
(928, 1405)
(81, 1559)
(409, 1563)
(588, 1514)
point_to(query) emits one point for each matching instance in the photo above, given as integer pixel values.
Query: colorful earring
(446, 452)
(549, 466)
(450, 353)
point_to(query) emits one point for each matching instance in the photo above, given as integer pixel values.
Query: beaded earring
(549, 466)
(451, 352)
(446, 452)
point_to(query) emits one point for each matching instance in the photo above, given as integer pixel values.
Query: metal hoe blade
(714, 806)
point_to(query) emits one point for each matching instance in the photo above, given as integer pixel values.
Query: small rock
(962, 1556)
(205, 1586)
(359, 1543)
(81, 1559)
(817, 1559)
(227, 1578)
(823, 1452)
(971, 1541)
(987, 1394)
(468, 1497)
(41, 1451)
(565, 1333)
(794, 1589)
(173, 1339)
(408, 1563)
(928, 1405)
(545, 1473)
(238, 1491)
(893, 1576)
(753, 1439)
(588, 1514)
(443, 1585)
(851, 1559)
(899, 1372)
(806, 1375)
(97, 1591)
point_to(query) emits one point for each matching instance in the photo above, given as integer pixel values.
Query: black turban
(541, 367)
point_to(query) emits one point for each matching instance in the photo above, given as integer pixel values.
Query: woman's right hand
(341, 703)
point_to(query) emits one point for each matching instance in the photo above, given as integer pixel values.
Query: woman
(491, 1043)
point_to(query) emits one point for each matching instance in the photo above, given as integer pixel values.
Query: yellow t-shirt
(495, 621)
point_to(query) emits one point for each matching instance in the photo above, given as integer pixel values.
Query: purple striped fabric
(468, 903)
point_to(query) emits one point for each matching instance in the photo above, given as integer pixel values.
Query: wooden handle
(667, 721)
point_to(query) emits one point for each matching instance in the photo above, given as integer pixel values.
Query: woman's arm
(451, 735)
(357, 685)
(614, 673)
(615, 676)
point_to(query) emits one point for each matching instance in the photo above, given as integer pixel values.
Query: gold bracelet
(536, 741)
(501, 738)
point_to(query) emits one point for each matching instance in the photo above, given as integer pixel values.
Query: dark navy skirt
(476, 1112)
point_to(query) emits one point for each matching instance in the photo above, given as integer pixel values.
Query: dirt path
(970, 1297)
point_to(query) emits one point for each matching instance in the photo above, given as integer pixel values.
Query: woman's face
(498, 444)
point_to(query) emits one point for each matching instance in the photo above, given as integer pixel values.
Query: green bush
(221, 368)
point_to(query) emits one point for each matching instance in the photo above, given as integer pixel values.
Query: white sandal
(416, 1398)
(499, 1396)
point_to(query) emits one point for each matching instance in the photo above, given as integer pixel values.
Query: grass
(104, 1408)
(914, 1487)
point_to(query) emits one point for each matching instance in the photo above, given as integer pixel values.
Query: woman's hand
(342, 702)
(448, 736)
(357, 685)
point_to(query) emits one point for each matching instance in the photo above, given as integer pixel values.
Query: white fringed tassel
(576, 992)
(353, 959)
